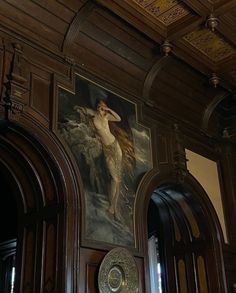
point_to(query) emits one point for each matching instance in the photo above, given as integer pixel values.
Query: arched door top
(190, 232)
(41, 180)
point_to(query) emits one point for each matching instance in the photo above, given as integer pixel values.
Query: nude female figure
(111, 148)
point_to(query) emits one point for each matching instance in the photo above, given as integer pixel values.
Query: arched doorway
(42, 191)
(8, 233)
(183, 224)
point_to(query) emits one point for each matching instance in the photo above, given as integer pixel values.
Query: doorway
(187, 247)
(8, 235)
(34, 194)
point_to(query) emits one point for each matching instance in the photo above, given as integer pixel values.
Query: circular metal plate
(118, 272)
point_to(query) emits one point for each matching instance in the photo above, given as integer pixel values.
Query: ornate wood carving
(166, 12)
(15, 88)
(179, 156)
(213, 45)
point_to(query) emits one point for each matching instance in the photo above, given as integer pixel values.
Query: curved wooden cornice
(150, 77)
(76, 24)
(210, 109)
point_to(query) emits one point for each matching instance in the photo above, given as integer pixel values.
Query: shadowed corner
(4, 125)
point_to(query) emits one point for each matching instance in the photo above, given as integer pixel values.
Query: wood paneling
(119, 47)
(40, 96)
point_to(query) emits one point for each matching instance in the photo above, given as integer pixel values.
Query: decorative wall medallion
(210, 44)
(118, 272)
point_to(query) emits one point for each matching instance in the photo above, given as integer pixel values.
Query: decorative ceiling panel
(212, 44)
(166, 11)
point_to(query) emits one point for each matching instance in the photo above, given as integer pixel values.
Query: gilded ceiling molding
(76, 24)
(213, 45)
(174, 14)
(150, 77)
(166, 11)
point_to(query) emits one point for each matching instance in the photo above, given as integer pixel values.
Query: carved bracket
(150, 77)
(75, 25)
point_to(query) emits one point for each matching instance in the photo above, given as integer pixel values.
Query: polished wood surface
(117, 44)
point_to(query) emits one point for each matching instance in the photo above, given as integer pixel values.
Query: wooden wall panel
(135, 47)
(107, 50)
(91, 278)
(230, 267)
(33, 29)
(106, 71)
(162, 149)
(55, 8)
(49, 258)
(119, 40)
(113, 59)
(73, 5)
(40, 96)
(89, 266)
(29, 254)
(90, 261)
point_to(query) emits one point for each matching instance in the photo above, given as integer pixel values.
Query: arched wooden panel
(185, 208)
(42, 202)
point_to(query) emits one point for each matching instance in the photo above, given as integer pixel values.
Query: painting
(113, 152)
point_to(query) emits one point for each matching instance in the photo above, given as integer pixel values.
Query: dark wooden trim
(151, 75)
(210, 109)
(43, 193)
(194, 188)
